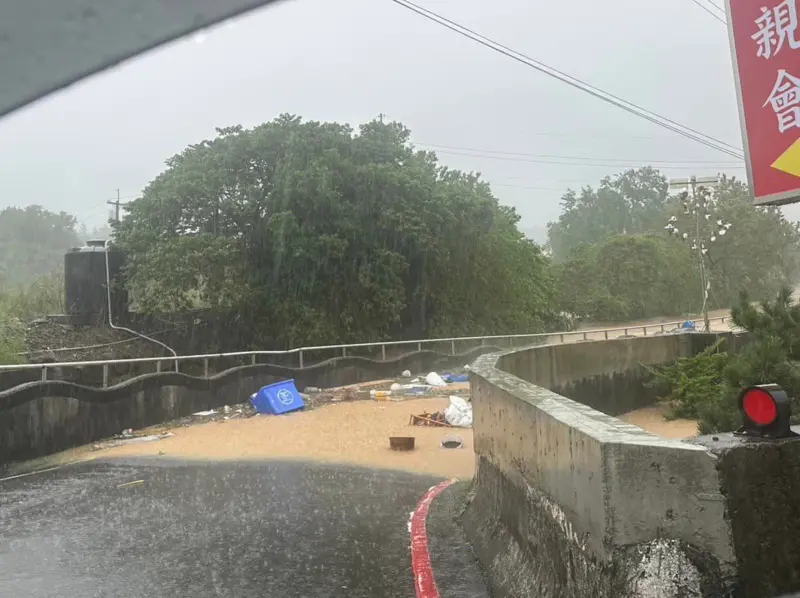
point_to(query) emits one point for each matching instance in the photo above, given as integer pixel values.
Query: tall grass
(19, 305)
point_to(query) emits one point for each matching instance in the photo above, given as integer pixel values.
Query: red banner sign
(765, 41)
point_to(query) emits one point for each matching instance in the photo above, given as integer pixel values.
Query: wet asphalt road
(268, 529)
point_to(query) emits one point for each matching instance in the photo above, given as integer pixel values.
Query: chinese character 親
(785, 101)
(776, 27)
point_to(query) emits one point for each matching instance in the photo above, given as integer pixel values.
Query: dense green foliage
(707, 386)
(318, 233)
(628, 277)
(32, 246)
(32, 243)
(630, 203)
(691, 381)
(23, 303)
(614, 260)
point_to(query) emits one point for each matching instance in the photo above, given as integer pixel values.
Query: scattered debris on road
(452, 442)
(401, 443)
(277, 398)
(459, 413)
(404, 387)
(434, 379)
(122, 440)
(133, 483)
(436, 419)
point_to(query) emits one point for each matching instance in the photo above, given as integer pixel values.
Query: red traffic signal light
(766, 411)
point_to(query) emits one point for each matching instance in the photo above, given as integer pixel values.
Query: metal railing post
(510, 340)
(105, 375)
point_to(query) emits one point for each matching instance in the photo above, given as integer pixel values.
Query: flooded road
(353, 433)
(654, 421)
(161, 528)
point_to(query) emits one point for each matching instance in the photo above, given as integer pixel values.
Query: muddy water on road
(355, 433)
(652, 419)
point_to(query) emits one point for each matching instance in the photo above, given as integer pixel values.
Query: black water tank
(85, 284)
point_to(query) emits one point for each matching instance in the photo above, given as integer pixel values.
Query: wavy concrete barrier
(39, 418)
(572, 502)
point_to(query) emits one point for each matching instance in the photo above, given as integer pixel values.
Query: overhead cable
(607, 97)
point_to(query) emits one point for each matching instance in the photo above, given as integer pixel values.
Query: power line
(564, 134)
(116, 205)
(686, 162)
(709, 11)
(570, 80)
(717, 6)
(575, 82)
(565, 163)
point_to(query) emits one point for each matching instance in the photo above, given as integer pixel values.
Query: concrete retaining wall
(761, 485)
(572, 502)
(40, 418)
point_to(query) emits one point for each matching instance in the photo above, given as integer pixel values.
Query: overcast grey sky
(349, 60)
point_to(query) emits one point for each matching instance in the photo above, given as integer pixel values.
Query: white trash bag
(459, 413)
(434, 379)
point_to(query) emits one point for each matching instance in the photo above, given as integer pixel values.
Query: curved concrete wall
(572, 502)
(39, 418)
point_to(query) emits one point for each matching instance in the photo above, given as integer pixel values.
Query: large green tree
(628, 277)
(629, 203)
(615, 260)
(758, 253)
(319, 233)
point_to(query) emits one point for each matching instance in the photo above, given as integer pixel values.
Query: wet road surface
(266, 529)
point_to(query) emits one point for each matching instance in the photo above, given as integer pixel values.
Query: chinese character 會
(775, 27)
(785, 101)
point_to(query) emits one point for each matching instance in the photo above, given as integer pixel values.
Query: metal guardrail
(205, 358)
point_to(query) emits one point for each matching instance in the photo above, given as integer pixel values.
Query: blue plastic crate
(278, 398)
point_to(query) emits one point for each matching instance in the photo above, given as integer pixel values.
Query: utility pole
(701, 205)
(706, 231)
(381, 117)
(116, 205)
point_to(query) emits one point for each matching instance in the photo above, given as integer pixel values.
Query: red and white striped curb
(424, 582)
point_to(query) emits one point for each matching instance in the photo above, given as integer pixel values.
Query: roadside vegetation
(317, 232)
(613, 260)
(320, 233)
(22, 303)
(706, 387)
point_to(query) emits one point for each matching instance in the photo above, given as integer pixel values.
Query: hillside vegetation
(319, 233)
